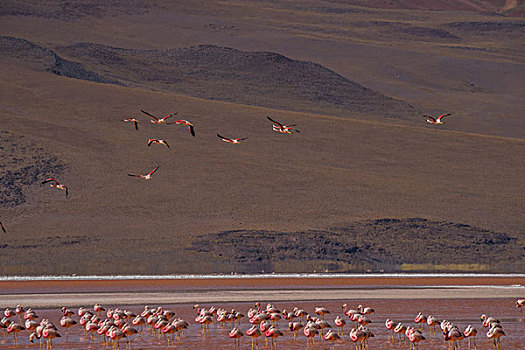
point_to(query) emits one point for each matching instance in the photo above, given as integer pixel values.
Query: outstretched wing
(443, 116)
(67, 192)
(2, 226)
(49, 180)
(429, 117)
(154, 170)
(150, 141)
(224, 138)
(133, 175)
(166, 143)
(136, 124)
(244, 138)
(146, 113)
(276, 122)
(192, 130)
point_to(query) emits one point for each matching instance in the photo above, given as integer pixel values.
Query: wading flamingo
(495, 333)
(254, 332)
(236, 335)
(158, 120)
(56, 184)
(67, 322)
(147, 176)
(470, 332)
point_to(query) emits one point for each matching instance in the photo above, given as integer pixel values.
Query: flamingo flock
(320, 329)
(276, 126)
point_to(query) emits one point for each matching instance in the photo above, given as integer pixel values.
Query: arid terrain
(366, 185)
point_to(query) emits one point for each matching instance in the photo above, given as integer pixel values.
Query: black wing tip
(192, 131)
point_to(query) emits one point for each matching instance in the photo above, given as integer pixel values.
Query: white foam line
(258, 276)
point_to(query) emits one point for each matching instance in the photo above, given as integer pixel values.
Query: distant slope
(219, 73)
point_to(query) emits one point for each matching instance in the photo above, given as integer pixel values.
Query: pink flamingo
(434, 121)
(331, 337)
(340, 324)
(56, 184)
(158, 141)
(415, 337)
(470, 332)
(49, 334)
(67, 322)
(273, 333)
(495, 333)
(232, 141)
(390, 325)
(236, 335)
(254, 332)
(282, 128)
(310, 333)
(158, 120)
(134, 121)
(187, 123)
(147, 176)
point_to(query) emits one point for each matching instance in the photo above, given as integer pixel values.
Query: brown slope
(335, 172)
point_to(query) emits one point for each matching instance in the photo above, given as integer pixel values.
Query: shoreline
(50, 300)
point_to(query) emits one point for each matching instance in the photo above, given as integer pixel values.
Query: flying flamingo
(519, 302)
(133, 120)
(158, 120)
(282, 128)
(158, 141)
(56, 184)
(232, 141)
(434, 121)
(146, 177)
(187, 123)
(2, 226)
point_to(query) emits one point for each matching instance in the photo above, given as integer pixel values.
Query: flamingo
(158, 141)
(49, 334)
(158, 120)
(365, 310)
(147, 176)
(254, 332)
(470, 332)
(331, 337)
(236, 335)
(187, 123)
(273, 333)
(415, 337)
(390, 325)
(421, 319)
(67, 322)
(321, 311)
(56, 184)
(232, 141)
(340, 324)
(519, 302)
(432, 323)
(495, 333)
(358, 337)
(15, 328)
(133, 120)
(431, 120)
(488, 321)
(310, 333)
(282, 128)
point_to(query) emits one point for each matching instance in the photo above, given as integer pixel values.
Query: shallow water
(461, 312)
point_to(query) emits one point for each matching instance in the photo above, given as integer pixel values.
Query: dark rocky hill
(220, 73)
